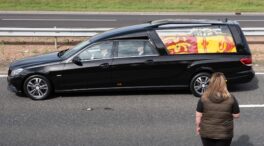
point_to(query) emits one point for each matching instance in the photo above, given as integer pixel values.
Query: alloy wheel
(201, 84)
(37, 87)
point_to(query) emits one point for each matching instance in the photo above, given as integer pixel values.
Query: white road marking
(251, 105)
(59, 19)
(250, 20)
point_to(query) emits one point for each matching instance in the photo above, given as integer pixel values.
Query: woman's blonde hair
(217, 87)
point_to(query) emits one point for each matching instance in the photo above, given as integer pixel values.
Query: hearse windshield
(67, 53)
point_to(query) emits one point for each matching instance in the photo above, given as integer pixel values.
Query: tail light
(247, 61)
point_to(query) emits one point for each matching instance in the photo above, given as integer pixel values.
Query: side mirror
(77, 60)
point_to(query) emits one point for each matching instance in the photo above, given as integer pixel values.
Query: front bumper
(15, 84)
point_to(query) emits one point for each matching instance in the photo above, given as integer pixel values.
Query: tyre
(37, 87)
(199, 83)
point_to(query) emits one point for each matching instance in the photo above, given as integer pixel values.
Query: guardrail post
(56, 43)
(2, 49)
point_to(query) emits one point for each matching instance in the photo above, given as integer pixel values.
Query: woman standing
(215, 113)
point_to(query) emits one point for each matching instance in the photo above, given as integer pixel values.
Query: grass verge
(135, 5)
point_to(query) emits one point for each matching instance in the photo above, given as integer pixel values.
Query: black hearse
(158, 54)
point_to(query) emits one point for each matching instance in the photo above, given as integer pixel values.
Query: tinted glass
(98, 51)
(134, 49)
(75, 49)
(195, 40)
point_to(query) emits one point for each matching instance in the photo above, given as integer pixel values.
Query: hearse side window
(198, 40)
(97, 51)
(134, 49)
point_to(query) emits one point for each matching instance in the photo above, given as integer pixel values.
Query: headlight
(16, 71)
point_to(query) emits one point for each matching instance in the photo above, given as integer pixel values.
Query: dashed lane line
(251, 105)
(90, 20)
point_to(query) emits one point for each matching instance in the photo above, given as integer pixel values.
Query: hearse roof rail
(190, 21)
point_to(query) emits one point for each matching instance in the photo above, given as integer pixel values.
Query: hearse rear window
(198, 40)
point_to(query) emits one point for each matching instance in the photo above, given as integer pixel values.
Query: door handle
(149, 61)
(104, 65)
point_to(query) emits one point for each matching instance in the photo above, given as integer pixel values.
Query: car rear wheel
(199, 83)
(37, 87)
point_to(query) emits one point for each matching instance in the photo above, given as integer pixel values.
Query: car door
(134, 63)
(93, 69)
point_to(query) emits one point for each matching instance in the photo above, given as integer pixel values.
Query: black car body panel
(36, 60)
(157, 70)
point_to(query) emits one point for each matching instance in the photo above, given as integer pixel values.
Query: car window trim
(83, 61)
(157, 43)
(136, 56)
(238, 38)
(153, 47)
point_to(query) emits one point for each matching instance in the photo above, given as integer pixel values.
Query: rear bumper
(242, 77)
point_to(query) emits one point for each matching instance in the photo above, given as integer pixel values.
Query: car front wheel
(37, 87)
(199, 83)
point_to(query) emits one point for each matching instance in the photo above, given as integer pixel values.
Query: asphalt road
(109, 20)
(145, 118)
